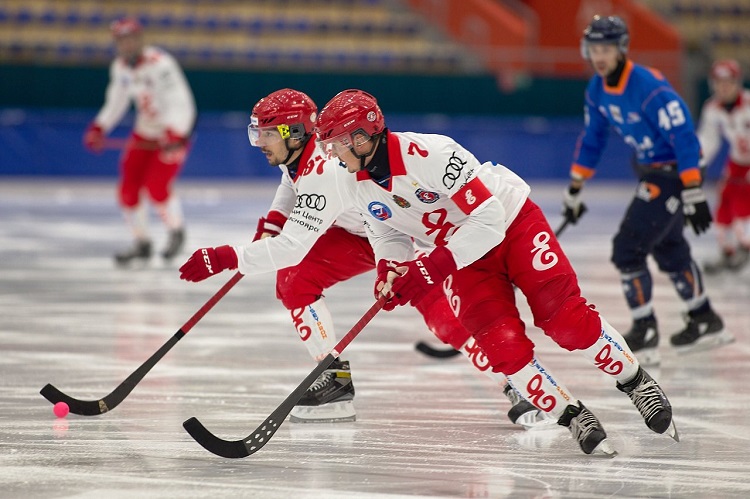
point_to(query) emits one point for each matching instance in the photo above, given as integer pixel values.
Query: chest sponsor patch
(428, 197)
(379, 210)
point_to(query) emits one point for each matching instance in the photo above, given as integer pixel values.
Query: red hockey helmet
(125, 26)
(284, 114)
(727, 69)
(351, 112)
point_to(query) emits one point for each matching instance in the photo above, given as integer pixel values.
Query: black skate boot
(704, 330)
(329, 399)
(643, 340)
(139, 253)
(523, 412)
(587, 430)
(174, 244)
(651, 402)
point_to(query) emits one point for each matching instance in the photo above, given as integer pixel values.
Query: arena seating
(375, 35)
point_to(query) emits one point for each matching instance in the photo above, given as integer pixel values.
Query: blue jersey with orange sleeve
(648, 114)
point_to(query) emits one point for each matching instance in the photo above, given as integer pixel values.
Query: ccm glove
(206, 262)
(385, 266)
(422, 275)
(695, 208)
(93, 138)
(573, 207)
(270, 225)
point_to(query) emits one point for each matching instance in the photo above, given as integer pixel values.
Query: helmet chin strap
(363, 157)
(292, 151)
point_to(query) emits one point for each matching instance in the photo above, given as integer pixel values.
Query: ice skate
(703, 332)
(330, 399)
(643, 340)
(651, 402)
(524, 413)
(587, 430)
(730, 261)
(174, 244)
(138, 254)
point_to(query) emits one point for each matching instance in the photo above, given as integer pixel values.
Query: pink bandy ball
(61, 409)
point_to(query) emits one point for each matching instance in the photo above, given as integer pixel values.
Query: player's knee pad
(128, 197)
(505, 345)
(574, 325)
(294, 289)
(441, 320)
(629, 252)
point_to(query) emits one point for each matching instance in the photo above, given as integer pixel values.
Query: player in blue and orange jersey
(644, 109)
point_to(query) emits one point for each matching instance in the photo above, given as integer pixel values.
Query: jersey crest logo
(428, 197)
(403, 203)
(544, 258)
(379, 211)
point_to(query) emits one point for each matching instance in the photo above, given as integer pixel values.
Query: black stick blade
(434, 352)
(80, 407)
(214, 444)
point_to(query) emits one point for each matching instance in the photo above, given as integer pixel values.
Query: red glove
(173, 148)
(270, 225)
(93, 138)
(384, 266)
(422, 275)
(206, 262)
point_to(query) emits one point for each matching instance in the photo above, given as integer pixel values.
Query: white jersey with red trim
(320, 200)
(718, 124)
(439, 194)
(158, 88)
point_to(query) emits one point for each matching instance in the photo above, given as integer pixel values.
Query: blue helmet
(610, 29)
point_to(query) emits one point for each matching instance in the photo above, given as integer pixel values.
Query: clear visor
(334, 146)
(266, 136)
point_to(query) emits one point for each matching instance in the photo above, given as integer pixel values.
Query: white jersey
(159, 90)
(718, 124)
(439, 194)
(314, 200)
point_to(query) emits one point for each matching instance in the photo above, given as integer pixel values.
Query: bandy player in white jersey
(726, 116)
(488, 236)
(151, 79)
(314, 238)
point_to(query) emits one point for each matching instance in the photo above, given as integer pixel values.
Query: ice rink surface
(426, 427)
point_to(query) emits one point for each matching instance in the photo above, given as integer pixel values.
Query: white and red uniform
(165, 109)
(439, 194)
(718, 124)
(323, 242)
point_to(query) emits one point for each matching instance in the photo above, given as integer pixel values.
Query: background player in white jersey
(726, 117)
(487, 236)
(641, 105)
(314, 238)
(157, 147)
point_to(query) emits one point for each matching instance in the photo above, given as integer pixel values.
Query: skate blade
(672, 432)
(536, 421)
(604, 449)
(335, 412)
(707, 342)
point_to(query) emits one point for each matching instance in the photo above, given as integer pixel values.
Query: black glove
(695, 208)
(573, 207)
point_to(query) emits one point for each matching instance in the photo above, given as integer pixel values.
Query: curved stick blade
(212, 443)
(80, 407)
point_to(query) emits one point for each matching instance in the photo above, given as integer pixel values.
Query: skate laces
(647, 398)
(583, 425)
(322, 381)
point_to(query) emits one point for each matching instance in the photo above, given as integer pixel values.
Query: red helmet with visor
(284, 114)
(351, 116)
